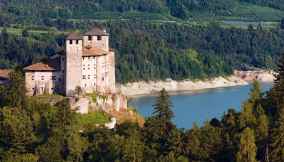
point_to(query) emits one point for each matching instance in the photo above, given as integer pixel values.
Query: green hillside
(154, 39)
(35, 11)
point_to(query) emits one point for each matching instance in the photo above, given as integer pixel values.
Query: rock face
(81, 106)
(105, 102)
(152, 87)
(112, 124)
(111, 102)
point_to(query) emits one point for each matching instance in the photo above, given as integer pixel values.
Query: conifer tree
(247, 147)
(277, 139)
(262, 124)
(162, 108)
(158, 130)
(277, 92)
(255, 92)
(247, 118)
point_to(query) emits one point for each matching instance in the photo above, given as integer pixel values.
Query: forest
(168, 46)
(149, 51)
(33, 131)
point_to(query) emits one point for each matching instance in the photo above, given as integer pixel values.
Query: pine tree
(162, 108)
(247, 147)
(158, 130)
(262, 124)
(277, 139)
(276, 95)
(255, 92)
(247, 118)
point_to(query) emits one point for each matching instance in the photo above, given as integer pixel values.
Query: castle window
(84, 76)
(89, 37)
(42, 77)
(33, 77)
(71, 41)
(89, 76)
(77, 41)
(99, 38)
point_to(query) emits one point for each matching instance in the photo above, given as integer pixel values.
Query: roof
(93, 52)
(74, 36)
(97, 32)
(4, 73)
(39, 67)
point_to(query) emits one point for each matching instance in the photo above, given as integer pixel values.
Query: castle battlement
(88, 64)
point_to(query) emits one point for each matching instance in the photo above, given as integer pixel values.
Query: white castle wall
(89, 74)
(73, 65)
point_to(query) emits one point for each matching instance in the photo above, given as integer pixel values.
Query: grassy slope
(254, 12)
(93, 118)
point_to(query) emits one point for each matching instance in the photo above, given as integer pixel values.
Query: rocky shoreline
(239, 78)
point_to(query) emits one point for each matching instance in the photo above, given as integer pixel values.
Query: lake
(199, 107)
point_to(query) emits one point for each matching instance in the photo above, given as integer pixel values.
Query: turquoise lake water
(199, 107)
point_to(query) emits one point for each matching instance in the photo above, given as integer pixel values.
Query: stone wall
(111, 73)
(105, 102)
(73, 65)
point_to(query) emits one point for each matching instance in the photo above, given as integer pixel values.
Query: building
(4, 76)
(88, 64)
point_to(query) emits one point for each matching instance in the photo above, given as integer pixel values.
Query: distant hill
(38, 10)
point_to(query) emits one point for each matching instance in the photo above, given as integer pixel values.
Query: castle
(88, 65)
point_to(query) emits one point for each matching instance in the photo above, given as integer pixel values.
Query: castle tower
(97, 38)
(73, 70)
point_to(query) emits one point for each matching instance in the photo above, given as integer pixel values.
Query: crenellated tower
(73, 70)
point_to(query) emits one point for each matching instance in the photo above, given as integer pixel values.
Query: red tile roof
(97, 31)
(39, 67)
(4, 73)
(93, 52)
